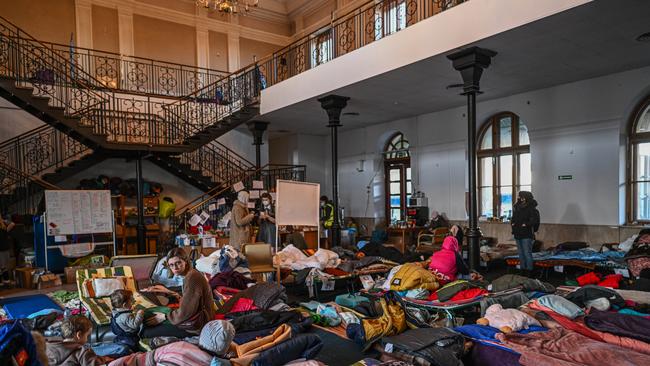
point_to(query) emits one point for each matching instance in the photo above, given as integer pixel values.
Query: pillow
(106, 286)
(561, 306)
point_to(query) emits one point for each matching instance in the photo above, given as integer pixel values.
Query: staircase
(20, 192)
(52, 86)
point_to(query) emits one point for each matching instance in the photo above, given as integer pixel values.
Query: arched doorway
(397, 172)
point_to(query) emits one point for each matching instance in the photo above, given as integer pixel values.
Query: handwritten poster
(78, 212)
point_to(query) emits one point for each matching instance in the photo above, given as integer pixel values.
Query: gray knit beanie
(216, 336)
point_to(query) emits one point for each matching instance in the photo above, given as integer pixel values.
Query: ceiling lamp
(229, 6)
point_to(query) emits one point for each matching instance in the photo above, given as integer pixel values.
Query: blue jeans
(525, 248)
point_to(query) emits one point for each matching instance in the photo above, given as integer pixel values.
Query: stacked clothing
(294, 258)
(264, 296)
(410, 276)
(225, 260)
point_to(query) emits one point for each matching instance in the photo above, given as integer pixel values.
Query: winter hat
(216, 336)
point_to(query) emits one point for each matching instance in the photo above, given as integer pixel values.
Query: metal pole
(473, 232)
(470, 63)
(336, 226)
(333, 105)
(140, 197)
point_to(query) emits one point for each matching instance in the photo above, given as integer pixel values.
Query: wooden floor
(15, 292)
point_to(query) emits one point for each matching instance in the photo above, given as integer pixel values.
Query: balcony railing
(134, 75)
(364, 25)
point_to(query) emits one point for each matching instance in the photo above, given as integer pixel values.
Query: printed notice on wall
(239, 186)
(258, 184)
(254, 194)
(78, 212)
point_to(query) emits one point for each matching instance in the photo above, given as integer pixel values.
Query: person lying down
(214, 342)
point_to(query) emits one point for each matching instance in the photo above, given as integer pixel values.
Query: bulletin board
(78, 212)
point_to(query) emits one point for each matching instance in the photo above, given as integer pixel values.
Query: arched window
(397, 170)
(639, 171)
(503, 163)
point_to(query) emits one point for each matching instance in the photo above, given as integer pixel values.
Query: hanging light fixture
(229, 6)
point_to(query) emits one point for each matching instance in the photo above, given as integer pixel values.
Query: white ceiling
(595, 39)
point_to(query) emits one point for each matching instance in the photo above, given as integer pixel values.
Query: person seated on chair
(437, 220)
(196, 306)
(73, 350)
(125, 323)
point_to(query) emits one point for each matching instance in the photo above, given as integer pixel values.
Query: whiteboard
(78, 212)
(297, 203)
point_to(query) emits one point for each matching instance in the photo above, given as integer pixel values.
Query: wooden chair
(260, 258)
(431, 241)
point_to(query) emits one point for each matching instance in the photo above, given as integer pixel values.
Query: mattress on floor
(21, 307)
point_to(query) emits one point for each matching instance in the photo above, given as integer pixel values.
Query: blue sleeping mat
(23, 306)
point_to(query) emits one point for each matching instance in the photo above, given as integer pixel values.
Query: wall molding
(574, 129)
(193, 20)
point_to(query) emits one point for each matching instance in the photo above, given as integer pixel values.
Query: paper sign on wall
(251, 204)
(204, 217)
(258, 184)
(60, 239)
(221, 202)
(195, 220)
(254, 194)
(239, 186)
(212, 207)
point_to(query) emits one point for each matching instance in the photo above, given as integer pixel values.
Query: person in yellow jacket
(326, 217)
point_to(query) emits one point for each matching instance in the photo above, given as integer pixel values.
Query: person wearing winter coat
(525, 223)
(73, 350)
(240, 221)
(445, 263)
(214, 341)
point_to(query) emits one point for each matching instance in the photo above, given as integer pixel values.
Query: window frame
(403, 163)
(495, 152)
(631, 186)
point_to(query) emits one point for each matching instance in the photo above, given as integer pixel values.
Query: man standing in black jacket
(525, 223)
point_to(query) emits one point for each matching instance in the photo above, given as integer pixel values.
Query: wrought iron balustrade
(216, 161)
(364, 25)
(140, 75)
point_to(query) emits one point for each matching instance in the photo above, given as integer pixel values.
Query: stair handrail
(63, 148)
(124, 59)
(232, 152)
(32, 39)
(35, 179)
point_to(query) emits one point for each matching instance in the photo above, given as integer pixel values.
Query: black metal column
(470, 63)
(257, 128)
(333, 105)
(142, 247)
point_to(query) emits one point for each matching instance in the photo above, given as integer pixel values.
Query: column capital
(471, 62)
(333, 105)
(257, 128)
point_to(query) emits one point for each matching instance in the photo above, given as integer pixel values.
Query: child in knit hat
(214, 341)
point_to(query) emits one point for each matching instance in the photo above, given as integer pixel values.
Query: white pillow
(106, 286)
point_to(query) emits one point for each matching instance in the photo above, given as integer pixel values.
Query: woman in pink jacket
(444, 262)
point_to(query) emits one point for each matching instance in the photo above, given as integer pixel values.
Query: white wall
(575, 129)
(411, 45)
(309, 150)
(240, 140)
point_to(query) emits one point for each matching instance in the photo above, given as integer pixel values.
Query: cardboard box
(48, 280)
(25, 277)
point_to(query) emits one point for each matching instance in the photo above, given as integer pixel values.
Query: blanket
(561, 347)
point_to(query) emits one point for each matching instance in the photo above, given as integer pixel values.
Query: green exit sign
(564, 177)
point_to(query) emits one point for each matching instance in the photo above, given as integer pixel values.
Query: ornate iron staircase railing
(137, 75)
(20, 192)
(52, 86)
